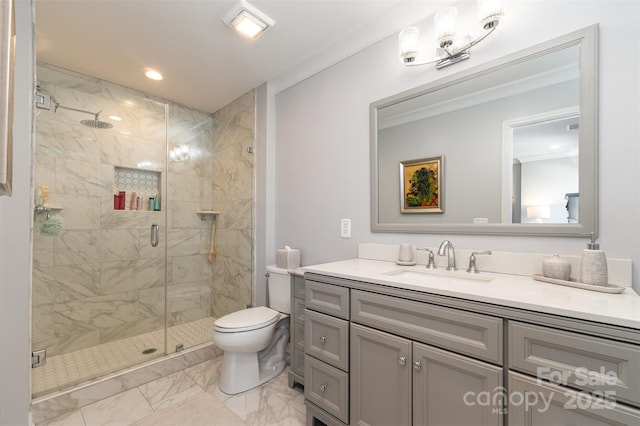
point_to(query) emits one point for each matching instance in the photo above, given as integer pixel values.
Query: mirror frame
(587, 40)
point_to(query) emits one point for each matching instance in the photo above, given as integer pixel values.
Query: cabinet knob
(323, 387)
(417, 365)
(323, 339)
(403, 360)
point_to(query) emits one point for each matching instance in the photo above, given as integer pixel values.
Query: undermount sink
(427, 276)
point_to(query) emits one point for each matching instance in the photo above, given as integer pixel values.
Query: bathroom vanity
(296, 328)
(402, 345)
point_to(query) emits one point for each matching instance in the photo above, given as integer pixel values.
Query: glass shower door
(99, 281)
(210, 187)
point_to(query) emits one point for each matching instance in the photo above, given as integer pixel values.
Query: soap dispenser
(593, 264)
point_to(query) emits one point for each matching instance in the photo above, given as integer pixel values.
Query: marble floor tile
(206, 375)
(261, 406)
(280, 387)
(202, 410)
(191, 398)
(170, 391)
(119, 410)
(73, 418)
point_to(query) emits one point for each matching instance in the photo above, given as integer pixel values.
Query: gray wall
(322, 136)
(15, 246)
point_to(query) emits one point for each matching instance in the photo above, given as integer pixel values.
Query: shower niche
(136, 189)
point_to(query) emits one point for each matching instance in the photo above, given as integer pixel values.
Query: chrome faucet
(472, 269)
(451, 254)
(431, 264)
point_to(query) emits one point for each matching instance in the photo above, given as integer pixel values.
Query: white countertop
(505, 290)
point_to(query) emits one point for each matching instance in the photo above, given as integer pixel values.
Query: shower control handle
(155, 235)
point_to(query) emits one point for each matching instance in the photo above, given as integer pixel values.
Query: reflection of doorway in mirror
(541, 163)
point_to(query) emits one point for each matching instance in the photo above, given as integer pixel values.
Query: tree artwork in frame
(7, 55)
(421, 185)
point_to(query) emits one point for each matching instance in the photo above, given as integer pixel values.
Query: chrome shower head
(96, 123)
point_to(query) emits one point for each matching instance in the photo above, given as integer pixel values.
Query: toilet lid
(247, 319)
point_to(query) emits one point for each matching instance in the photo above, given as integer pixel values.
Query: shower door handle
(155, 235)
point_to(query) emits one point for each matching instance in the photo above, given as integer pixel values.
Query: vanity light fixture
(453, 47)
(248, 20)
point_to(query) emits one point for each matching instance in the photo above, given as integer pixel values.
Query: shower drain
(149, 351)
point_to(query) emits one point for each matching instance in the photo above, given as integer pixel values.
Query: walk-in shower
(104, 297)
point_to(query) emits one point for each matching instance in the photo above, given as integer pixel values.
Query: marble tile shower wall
(233, 197)
(100, 280)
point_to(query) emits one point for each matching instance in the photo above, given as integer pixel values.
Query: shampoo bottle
(593, 264)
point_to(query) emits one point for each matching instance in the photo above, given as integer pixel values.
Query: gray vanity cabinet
(378, 355)
(565, 378)
(296, 330)
(396, 381)
(544, 404)
(591, 364)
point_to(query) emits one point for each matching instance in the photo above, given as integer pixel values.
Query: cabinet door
(380, 378)
(450, 389)
(533, 402)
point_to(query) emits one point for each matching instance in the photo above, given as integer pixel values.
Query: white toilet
(254, 340)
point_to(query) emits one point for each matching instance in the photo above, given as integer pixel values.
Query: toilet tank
(279, 288)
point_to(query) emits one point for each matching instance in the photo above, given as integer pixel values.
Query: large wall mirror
(508, 147)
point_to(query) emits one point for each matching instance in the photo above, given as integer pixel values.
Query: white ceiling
(205, 64)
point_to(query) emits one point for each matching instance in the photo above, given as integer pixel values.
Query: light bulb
(445, 23)
(489, 13)
(408, 44)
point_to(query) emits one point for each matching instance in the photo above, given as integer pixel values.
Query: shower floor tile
(73, 368)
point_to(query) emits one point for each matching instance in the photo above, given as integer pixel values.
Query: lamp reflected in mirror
(537, 213)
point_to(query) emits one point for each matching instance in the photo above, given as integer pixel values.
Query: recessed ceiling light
(115, 118)
(153, 75)
(248, 20)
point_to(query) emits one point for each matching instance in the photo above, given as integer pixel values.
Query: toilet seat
(246, 319)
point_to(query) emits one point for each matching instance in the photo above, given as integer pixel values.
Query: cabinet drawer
(549, 404)
(327, 387)
(327, 338)
(298, 310)
(477, 335)
(298, 286)
(585, 362)
(327, 298)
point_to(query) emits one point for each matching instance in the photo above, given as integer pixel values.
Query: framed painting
(421, 185)
(7, 55)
